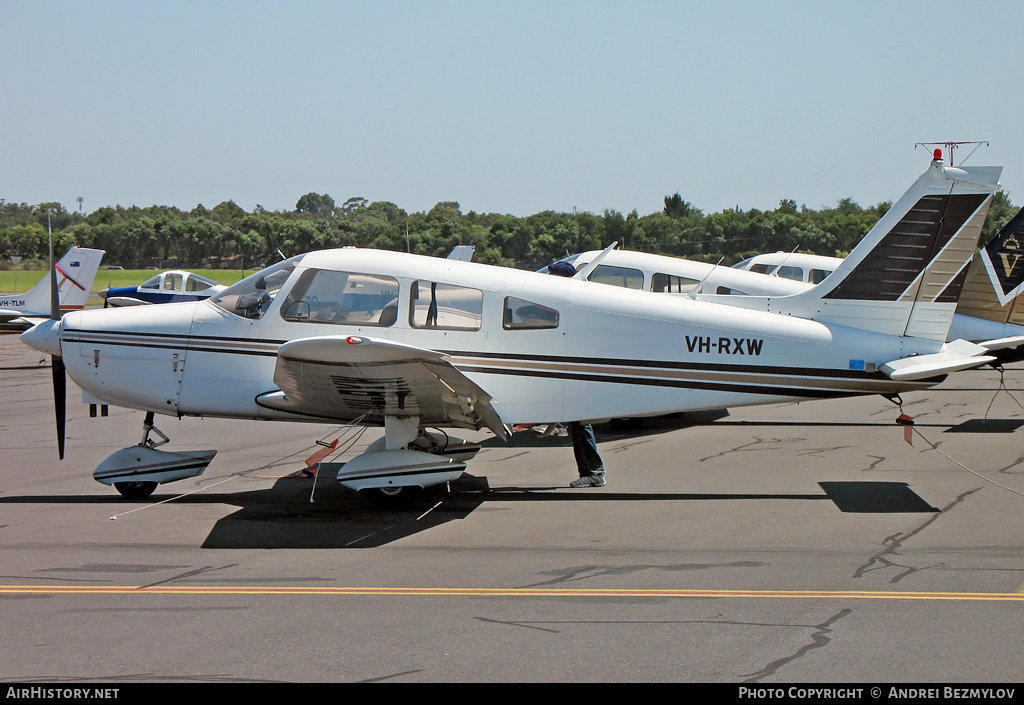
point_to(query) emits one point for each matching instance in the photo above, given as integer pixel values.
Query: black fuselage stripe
(680, 383)
(188, 343)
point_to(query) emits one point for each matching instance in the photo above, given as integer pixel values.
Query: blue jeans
(584, 447)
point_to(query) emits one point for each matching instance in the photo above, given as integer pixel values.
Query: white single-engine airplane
(413, 342)
(75, 274)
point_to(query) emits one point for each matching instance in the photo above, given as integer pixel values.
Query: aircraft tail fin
(907, 274)
(76, 271)
(995, 277)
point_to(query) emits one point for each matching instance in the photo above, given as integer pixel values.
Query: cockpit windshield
(251, 297)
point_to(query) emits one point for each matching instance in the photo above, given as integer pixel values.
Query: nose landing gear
(136, 471)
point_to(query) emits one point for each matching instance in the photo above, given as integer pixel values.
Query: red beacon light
(937, 156)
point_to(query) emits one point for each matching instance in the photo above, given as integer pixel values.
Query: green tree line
(228, 237)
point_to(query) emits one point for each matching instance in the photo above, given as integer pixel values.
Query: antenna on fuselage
(785, 259)
(586, 270)
(695, 290)
(951, 148)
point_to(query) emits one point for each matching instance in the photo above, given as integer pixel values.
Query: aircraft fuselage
(601, 352)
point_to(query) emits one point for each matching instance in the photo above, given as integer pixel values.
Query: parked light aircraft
(798, 266)
(76, 271)
(413, 342)
(986, 310)
(165, 287)
(673, 275)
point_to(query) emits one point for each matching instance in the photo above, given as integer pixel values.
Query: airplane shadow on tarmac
(284, 516)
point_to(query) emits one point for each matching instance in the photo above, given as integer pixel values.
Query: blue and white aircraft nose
(44, 337)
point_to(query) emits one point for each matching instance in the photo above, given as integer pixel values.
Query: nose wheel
(136, 471)
(135, 490)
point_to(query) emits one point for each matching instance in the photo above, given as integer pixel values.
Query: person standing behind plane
(584, 443)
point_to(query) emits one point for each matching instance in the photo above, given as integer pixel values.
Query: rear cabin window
(526, 315)
(447, 306)
(343, 298)
(618, 276)
(197, 284)
(816, 276)
(671, 284)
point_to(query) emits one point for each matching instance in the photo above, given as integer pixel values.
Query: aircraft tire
(135, 490)
(391, 497)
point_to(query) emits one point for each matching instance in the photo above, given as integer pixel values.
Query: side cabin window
(762, 268)
(151, 283)
(343, 298)
(447, 306)
(816, 276)
(618, 276)
(525, 315)
(789, 272)
(195, 283)
(672, 284)
(172, 281)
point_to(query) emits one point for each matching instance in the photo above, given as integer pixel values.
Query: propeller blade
(60, 385)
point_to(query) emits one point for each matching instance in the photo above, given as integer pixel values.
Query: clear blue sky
(511, 107)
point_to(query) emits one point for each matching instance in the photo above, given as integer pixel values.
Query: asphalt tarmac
(798, 543)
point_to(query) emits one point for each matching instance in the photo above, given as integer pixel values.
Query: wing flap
(352, 377)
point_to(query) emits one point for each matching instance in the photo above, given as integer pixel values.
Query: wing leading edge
(355, 377)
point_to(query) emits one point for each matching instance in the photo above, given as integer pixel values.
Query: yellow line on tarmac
(501, 592)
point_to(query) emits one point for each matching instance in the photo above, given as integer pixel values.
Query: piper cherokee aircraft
(76, 271)
(415, 343)
(165, 287)
(986, 310)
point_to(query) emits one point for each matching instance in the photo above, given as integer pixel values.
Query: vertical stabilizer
(75, 271)
(906, 275)
(995, 278)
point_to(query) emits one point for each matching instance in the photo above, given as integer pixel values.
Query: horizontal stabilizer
(955, 356)
(1003, 343)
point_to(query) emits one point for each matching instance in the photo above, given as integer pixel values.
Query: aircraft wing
(126, 301)
(352, 377)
